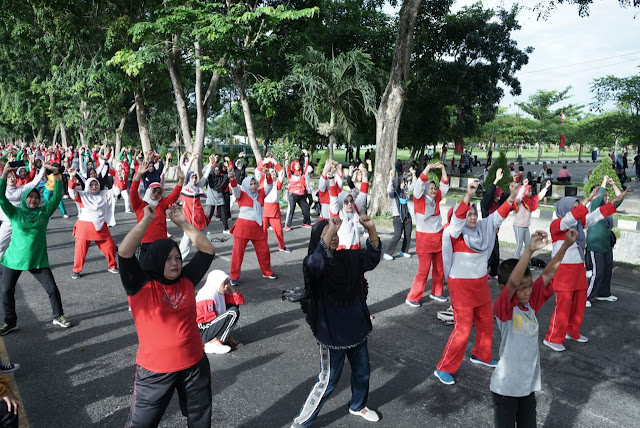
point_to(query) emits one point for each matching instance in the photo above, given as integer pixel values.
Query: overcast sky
(570, 50)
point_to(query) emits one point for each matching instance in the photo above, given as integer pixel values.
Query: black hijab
(154, 259)
(403, 209)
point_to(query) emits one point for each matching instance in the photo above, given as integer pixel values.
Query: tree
(625, 93)
(335, 89)
(605, 168)
(502, 163)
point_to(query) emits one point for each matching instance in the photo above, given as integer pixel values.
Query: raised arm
(233, 184)
(198, 238)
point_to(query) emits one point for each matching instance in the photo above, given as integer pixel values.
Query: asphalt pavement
(83, 376)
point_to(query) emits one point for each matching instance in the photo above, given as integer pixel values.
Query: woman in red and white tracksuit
(271, 215)
(248, 226)
(297, 190)
(120, 187)
(426, 204)
(192, 208)
(92, 223)
(570, 281)
(334, 169)
(343, 205)
(467, 245)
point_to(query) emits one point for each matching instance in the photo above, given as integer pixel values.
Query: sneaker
(75, 275)
(412, 303)
(61, 321)
(216, 347)
(128, 211)
(234, 282)
(8, 367)
(114, 270)
(284, 250)
(386, 256)
(65, 216)
(558, 347)
(588, 304)
(308, 226)
(7, 328)
(367, 414)
(405, 255)
(581, 339)
(445, 316)
(272, 276)
(476, 360)
(65, 196)
(287, 228)
(441, 299)
(445, 377)
(493, 277)
(226, 232)
(611, 298)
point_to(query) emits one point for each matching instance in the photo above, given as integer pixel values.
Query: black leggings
(304, 206)
(511, 411)
(398, 228)
(221, 327)
(9, 282)
(224, 211)
(494, 259)
(152, 393)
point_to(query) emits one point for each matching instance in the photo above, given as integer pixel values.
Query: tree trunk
(55, 137)
(580, 152)
(540, 147)
(141, 115)
(120, 128)
(332, 143)
(246, 109)
(173, 60)
(390, 109)
(63, 135)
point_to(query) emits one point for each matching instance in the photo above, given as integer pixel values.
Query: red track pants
(107, 246)
(237, 255)
(276, 225)
(464, 317)
(425, 260)
(567, 316)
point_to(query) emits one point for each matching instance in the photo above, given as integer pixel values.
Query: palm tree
(337, 87)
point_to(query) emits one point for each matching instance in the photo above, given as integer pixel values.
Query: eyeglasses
(348, 201)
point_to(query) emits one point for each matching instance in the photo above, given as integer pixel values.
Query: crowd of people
(177, 325)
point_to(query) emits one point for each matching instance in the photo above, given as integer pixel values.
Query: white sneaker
(65, 216)
(226, 232)
(216, 347)
(441, 299)
(386, 256)
(558, 347)
(581, 339)
(367, 414)
(588, 304)
(611, 298)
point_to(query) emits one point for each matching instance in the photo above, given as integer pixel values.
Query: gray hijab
(564, 207)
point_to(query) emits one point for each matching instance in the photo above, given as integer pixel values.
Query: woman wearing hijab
(426, 203)
(248, 226)
(217, 308)
(526, 203)
(336, 310)
(398, 191)
(271, 213)
(161, 294)
(493, 199)
(120, 186)
(333, 168)
(14, 195)
(466, 246)
(297, 190)
(218, 196)
(343, 205)
(570, 282)
(153, 196)
(192, 208)
(28, 249)
(600, 247)
(92, 224)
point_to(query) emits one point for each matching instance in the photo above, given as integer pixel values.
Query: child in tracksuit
(517, 375)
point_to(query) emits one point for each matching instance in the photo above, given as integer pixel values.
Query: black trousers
(509, 412)
(304, 206)
(223, 211)
(152, 393)
(221, 327)
(9, 282)
(600, 281)
(398, 228)
(494, 259)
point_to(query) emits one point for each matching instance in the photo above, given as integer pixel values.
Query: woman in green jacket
(28, 249)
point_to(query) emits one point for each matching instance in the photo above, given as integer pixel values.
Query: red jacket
(206, 309)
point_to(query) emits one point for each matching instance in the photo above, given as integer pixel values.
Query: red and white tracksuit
(570, 280)
(469, 289)
(428, 239)
(323, 194)
(247, 229)
(271, 214)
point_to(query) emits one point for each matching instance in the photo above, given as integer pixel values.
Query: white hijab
(96, 208)
(211, 290)
(147, 194)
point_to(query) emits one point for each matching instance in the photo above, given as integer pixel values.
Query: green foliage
(285, 146)
(323, 160)
(163, 151)
(501, 162)
(435, 174)
(605, 168)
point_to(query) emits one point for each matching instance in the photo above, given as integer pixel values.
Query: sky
(570, 50)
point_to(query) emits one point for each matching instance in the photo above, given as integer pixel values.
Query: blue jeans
(331, 364)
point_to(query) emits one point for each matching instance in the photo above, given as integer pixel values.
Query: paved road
(83, 376)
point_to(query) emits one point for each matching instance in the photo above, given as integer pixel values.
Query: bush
(323, 158)
(435, 174)
(282, 147)
(501, 162)
(605, 168)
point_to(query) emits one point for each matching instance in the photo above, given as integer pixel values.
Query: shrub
(285, 146)
(323, 159)
(605, 168)
(501, 162)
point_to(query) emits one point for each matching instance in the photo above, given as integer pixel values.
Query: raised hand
(367, 222)
(525, 182)
(548, 184)
(305, 152)
(72, 173)
(149, 212)
(175, 214)
(591, 196)
(620, 196)
(472, 187)
(334, 224)
(180, 174)
(499, 176)
(570, 238)
(539, 240)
